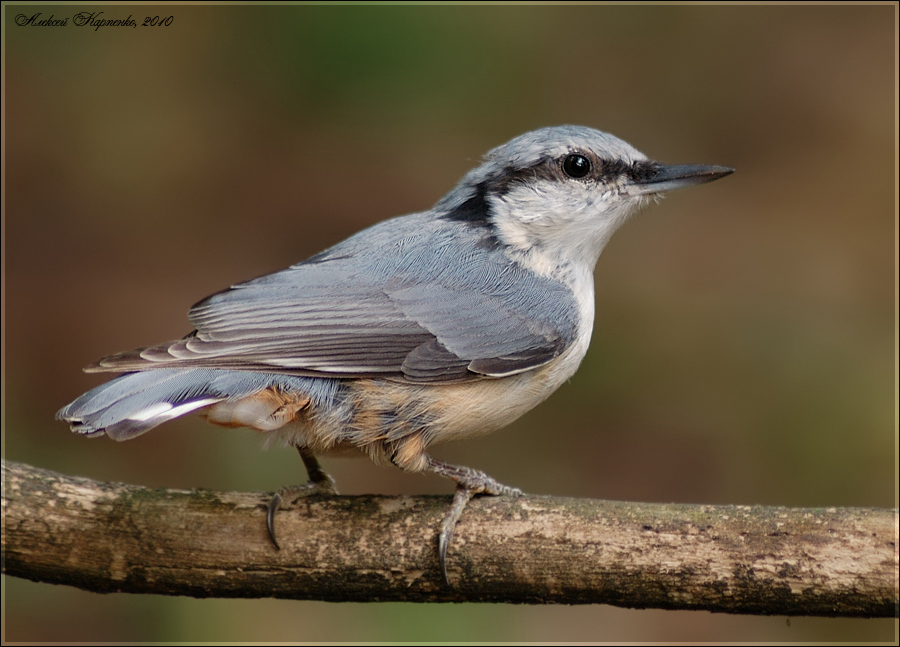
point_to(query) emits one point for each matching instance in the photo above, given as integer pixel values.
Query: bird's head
(557, 194)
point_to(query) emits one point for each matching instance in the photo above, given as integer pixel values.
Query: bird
(435, 326)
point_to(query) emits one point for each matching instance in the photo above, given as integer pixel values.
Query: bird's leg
(319, 483)
(319, 479)
(469, 482)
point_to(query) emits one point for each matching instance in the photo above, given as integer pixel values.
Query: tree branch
(109, 537)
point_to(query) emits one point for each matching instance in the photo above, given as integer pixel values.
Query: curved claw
(320, 482)
(469, 482)
(460, 499)
(323, 487)
(274, 504)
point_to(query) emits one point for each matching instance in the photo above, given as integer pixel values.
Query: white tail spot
(166, 411)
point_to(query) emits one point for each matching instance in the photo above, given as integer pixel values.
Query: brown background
(744, 342)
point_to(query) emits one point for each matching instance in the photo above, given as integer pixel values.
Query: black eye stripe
(576, 166)
(553, 169)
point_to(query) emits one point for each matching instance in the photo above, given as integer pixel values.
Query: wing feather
(407, 299)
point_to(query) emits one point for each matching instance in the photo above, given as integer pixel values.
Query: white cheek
(560, 223)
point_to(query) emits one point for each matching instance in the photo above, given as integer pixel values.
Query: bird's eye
(576, 166)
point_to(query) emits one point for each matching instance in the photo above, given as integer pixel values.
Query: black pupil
(576, 166)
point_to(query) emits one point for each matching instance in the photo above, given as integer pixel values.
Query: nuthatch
(435, 326)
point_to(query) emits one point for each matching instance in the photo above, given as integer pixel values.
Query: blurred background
(744, 344)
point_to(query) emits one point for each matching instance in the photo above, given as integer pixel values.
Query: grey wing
(407, 299)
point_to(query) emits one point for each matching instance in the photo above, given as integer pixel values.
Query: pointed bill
(669, 178)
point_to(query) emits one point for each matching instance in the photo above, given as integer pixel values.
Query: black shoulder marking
(475, 210)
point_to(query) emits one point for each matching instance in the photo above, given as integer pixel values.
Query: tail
(135, 403)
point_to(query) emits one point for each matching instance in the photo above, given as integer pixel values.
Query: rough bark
(110, 537)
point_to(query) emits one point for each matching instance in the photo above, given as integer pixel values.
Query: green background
(743, 347)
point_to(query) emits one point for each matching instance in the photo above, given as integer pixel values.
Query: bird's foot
(469, 482)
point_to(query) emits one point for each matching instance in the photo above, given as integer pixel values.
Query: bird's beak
(669, 178)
